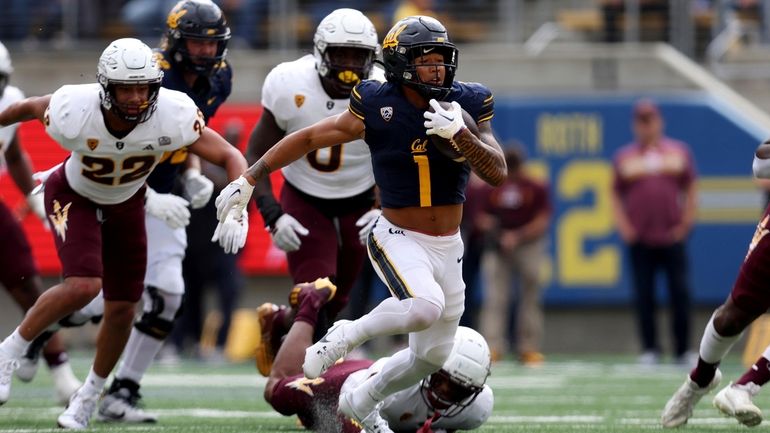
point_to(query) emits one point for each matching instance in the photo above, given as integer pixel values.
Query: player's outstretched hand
(235, 195)
(444, 122)
(231, 233)
(197, 188)
(285, 231)
(168, 207)
(366, 222)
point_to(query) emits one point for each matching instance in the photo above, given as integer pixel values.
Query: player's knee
(422, 314)
(159, 311)
(154, 326)
(436, 355)
(119, 314)
(729, 320)
(82, 290)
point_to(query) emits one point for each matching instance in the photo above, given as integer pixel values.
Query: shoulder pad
(70, 106)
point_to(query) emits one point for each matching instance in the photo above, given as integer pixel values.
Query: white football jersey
(293, 93)
(406, 410)
(106, 169)
(10, 95)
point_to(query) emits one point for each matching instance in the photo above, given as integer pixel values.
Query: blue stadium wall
(571, 141)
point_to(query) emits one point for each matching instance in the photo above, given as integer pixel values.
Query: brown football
(444, 145)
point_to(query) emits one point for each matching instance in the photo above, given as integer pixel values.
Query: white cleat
(122, 406)
(735, 401)
(64, 382)
(371, 423)
(27, 369)
(8, 365)
(79, 411)
(323, 354)
(679, 408)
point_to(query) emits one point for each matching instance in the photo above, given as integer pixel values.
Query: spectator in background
(474, 228)
(518, 213)
(408, 8)
(654, 206)
(613, 15)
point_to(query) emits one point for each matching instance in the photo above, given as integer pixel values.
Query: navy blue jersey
(208, 95)
(408, 169)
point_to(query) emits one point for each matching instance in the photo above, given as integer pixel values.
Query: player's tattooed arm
(27, 109)
(263, 137)
(258, 171)
(484, 155)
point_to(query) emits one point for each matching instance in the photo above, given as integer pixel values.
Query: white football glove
(284, 233)
(235, 195)
(366, 222)
(42, 176)
(231, 233)
(36, 204)
(444, 123)
(168, 207)
(196, 188)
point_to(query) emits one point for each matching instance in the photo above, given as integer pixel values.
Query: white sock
(94, 383)
(138, 355)
(714, 347)
(15, 345)
(392, 317)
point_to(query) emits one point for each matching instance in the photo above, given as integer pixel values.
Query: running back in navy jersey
(408, 169)
(208, 95)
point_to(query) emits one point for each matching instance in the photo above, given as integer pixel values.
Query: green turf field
(588, 394)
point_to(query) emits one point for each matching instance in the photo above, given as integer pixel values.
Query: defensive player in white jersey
(328, 196)
(18, 273)
(117, 130)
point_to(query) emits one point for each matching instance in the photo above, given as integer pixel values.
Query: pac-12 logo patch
(299, 100)
(386, 113)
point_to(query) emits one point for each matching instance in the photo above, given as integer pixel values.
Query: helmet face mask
(460, 380)
(345, 48)
(410, 39)
(196, 20)
(345, 67)
(129, 62)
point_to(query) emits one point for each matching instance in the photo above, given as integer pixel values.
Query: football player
(18, 273)
(415, 244)
(326, 207)
(748, 300)
(118, 130)
(192, 58)
(453, 398)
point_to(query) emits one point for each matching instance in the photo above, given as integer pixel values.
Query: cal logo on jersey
(59, 218)
(386, 113)
(92, 143)
(299, 100)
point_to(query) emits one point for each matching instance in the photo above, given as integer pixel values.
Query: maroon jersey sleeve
(314, 401)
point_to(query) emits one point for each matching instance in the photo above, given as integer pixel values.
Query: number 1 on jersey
(423, 172)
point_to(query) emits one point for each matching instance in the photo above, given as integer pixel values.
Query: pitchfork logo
(59, 218)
